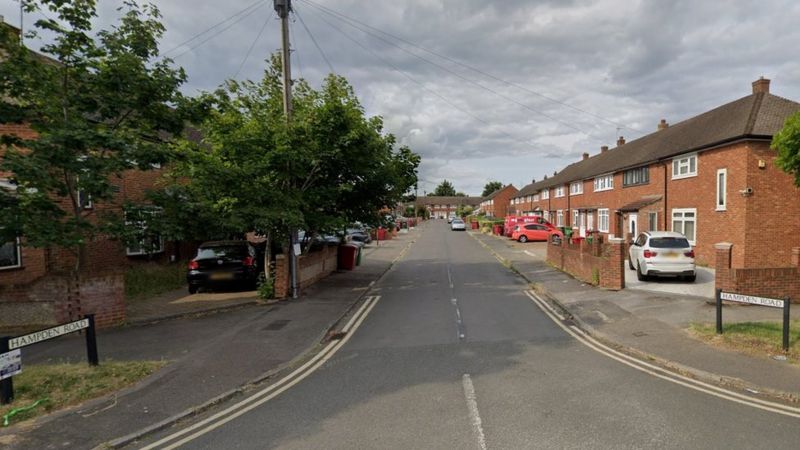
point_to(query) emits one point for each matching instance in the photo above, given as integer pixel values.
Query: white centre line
(449, 276)
(472, 406)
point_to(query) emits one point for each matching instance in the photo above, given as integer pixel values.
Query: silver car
(662, 253)
(458, 225)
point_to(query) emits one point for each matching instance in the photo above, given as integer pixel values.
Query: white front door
(582, 224)
(633, 225)
(590, 221)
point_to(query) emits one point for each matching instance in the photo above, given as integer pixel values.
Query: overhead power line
(316, 44)
(225, 23)
(250, 50)
(352, 24)
(417, 82)
(479, 71)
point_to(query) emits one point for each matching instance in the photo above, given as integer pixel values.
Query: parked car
(662, 253)
(458, 225)
(451, 217)
(356, 234)
(224, 263)
(534, 232)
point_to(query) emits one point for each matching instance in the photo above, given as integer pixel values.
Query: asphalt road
(412, 376)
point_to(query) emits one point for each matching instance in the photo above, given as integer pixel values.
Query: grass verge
(755, 338)
(154, 279)
(64, 385)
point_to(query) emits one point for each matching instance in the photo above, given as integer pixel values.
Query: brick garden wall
(311, 268)
(601, 263)
(775, 282)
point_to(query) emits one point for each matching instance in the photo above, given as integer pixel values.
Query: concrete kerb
(197, 313)
(303, 356)
(675, 367)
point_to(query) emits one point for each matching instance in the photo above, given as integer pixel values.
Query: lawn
(60, 385)
(151, 280)
(756, 338)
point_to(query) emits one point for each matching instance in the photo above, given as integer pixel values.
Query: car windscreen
(223, 252)
(669, 242)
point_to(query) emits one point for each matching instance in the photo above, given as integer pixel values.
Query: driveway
(702, 287)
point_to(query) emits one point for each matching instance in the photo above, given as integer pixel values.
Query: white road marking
(272, 391)
(449, 276)
(472, 406)
(660, 372)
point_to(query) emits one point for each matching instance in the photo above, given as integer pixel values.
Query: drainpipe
(666, 210)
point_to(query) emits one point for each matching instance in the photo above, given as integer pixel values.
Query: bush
(265, 289)
(153, 279)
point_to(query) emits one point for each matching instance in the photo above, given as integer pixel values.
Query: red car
(534, 232)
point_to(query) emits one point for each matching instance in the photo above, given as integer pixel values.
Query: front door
(582, 224)
(633, 220)
(590, 221)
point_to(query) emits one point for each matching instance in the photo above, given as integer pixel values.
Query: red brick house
(496, 203)
(441, 207)
(711, 177)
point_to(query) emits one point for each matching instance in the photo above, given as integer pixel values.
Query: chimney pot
(555, 172)
(663, 125)
(603, 149)
(585, 156)
(620, 141)
(761, 85)
(533, 180)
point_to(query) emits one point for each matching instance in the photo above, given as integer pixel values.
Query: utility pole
(283, 7)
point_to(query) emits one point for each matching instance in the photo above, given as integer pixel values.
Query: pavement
(218, 346)
(654, 324)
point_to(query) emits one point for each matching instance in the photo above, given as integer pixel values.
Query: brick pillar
(613, 275)
(595, 243)
(796, 257)
(722, 266)
(281, 276)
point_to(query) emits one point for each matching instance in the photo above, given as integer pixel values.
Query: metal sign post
(760, 301)
(6, 385)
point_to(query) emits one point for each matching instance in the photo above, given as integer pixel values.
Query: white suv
(666, 253)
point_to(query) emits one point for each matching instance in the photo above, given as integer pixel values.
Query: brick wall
(311, 268)
(775, 282)
(600, 263)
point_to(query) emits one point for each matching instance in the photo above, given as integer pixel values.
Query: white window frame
(546, 194)
(650, 216)
(722, 190)
(575, 218)
(682, 212)
(536, 197)
(559, 191)
(560, 218)
(576, 188)
(682, 162)
(604, 183)
(142, 251)
(603, 214)
(18, 247)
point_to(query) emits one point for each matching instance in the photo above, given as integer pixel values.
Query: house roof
(497, 192)
(759, 115)
(441, 200)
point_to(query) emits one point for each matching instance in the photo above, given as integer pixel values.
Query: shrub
(153, 279)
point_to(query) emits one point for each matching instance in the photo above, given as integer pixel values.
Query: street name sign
(50, 333)
(10, 364)
(751, 299)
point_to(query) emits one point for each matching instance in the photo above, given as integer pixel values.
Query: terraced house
(711, 177)
(496, 203)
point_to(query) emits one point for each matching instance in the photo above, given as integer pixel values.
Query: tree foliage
(445, 189)
(253, 171)
(99, 104)
(787, 143)
(490, 187)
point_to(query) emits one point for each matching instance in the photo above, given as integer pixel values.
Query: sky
(507, 90)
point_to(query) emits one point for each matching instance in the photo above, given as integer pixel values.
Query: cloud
(623, 64)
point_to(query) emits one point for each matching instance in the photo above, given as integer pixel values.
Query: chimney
(761, 86)
(585, 156)
(545, 177)
(603, 149)
(555, 172)
(663, 125)
(533, 180)
(620, 141)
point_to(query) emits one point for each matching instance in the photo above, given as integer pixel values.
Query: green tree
(100, 103)
(253, 171)
(490, 187)
(445, 189)
(787, 143)
(464, 210)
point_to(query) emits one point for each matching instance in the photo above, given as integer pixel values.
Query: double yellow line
(209, 424)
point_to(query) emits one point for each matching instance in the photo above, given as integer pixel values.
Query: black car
(224, 263)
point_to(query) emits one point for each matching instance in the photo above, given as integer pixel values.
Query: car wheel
(523, 238)
(192, 289)
(691, 278)
(639, 275)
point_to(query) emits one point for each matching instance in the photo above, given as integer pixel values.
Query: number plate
(222, 276)
(671, 255)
